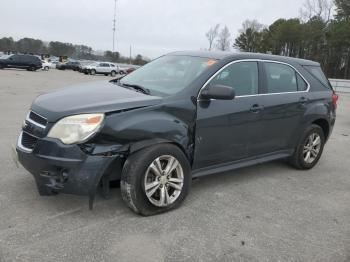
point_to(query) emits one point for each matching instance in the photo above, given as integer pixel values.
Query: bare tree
(223, 43)
(250, 38)
(318, 8)
(254, 25)
(212, 34)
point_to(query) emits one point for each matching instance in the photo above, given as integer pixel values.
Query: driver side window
(242, 76)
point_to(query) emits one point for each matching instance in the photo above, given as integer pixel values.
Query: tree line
(316, 35)
(35, 46)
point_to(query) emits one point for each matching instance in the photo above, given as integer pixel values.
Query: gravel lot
(269, 212)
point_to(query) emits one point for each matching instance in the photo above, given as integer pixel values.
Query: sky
(151, 27)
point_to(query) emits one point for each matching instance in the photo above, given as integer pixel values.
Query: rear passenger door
(284, 98)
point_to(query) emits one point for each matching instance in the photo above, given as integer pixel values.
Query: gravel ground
(269, 212)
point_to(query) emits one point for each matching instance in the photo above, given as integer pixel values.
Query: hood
(93, 97)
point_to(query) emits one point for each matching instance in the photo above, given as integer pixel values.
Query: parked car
(181, 116)
(104, 68)
(46, 65)
(72, 65)
(29, 62)
(130, 70)
(86, 68)
(54, 63)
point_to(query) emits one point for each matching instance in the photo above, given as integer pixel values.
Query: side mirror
(219, 92)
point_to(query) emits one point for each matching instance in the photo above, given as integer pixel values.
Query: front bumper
(63, 168)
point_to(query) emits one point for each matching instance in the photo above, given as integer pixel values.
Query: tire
(106, 74)
(32, 68)
(307, 147)
(113, 73)
(137, 171)
(46, 68)
(93, 72)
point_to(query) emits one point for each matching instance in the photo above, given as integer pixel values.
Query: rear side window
(280, 78)
(302, 85)
(242, 76)
(317, 72)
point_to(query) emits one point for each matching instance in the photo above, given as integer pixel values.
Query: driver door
(227, 130)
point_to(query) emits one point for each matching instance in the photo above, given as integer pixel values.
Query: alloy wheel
(312, 148)
(164, 181)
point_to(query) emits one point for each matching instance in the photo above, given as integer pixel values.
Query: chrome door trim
(256, 60)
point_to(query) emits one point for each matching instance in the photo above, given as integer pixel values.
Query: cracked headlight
(77, 128)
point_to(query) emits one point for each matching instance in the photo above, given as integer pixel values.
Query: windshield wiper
(137, 88)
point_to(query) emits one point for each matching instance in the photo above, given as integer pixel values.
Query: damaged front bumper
(67, 168)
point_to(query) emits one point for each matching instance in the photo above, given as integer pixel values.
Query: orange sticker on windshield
(211, 62)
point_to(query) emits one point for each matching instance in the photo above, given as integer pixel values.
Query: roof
(236, 56)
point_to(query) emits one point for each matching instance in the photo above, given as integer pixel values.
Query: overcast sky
(152, 27)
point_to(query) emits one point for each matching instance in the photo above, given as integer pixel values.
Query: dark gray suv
(184, 115)
(29, 62)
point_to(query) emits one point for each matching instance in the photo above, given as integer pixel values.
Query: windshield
(5, 56)
(168, 75)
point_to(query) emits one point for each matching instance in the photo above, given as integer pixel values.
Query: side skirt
(241, 163)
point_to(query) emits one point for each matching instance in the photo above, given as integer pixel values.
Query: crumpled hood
(94, 97)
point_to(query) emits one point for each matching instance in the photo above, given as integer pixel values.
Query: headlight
(77, 128)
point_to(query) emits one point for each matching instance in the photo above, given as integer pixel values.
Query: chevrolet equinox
(181, 116)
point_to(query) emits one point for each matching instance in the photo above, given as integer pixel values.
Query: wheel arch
(137, 146)
(324, 124)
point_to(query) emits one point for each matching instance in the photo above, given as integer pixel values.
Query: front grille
(28, 141)
(37, 118)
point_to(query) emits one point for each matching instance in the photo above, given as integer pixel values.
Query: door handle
(256, 108)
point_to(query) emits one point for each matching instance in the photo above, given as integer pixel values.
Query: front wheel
(155, 179)
(309, 150)
(113, 73)
(46, 68)
(93, 72)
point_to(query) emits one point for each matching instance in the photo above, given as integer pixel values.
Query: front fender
(144, 127)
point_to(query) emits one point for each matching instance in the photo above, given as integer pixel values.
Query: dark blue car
(183, 115)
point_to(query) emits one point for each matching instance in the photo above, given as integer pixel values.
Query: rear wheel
(46, 68)
(32, 68)
(155, 179)
(309, 150)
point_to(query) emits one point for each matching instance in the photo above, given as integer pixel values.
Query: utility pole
(130, 56)
(114, 19)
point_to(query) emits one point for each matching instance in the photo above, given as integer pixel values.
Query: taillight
(335, 98)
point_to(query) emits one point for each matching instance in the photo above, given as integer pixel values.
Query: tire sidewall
(138, 170)
(308, 132)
